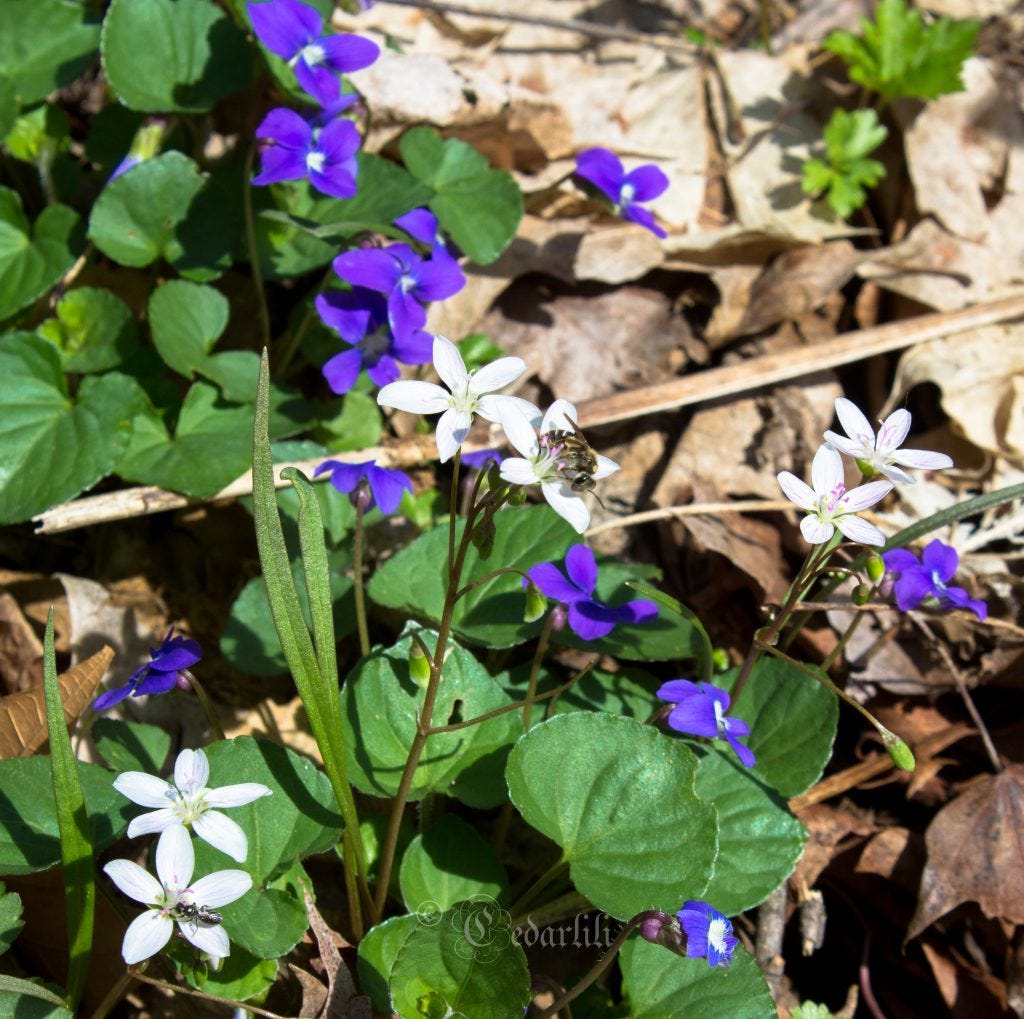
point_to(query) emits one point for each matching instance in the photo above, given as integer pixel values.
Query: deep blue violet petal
(346, 53)
(554, 584)
(581, 568)
(603, 169)
(941, 559)
(342, 370)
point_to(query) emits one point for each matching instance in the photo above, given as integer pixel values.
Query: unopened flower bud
(719, 659)
(559, 616)
(483, 537)
(419, 666)
(861, 594)
(875, 567)
(902, 756)
(536, 604)
(183, 681)
(361, 497)
(516, 495)
(661, 929)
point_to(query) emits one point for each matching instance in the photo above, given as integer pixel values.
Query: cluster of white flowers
(471, 393)
(175, 897)
(829, 503)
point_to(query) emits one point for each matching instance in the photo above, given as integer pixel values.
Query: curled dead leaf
(23, 715)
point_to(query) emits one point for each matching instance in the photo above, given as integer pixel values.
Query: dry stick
(700, 387)
(695, 509)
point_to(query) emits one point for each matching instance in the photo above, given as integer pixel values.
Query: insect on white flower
(878, 454)
(175, 898)
(468, 393)
(190, 802)
(830, 504)
(545, 463)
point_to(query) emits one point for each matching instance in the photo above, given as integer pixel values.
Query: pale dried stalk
(700, 387)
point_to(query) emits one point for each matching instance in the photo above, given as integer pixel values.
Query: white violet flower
(830, 504)
(175, 861)
(189, 802)
(878, 454)
(468, 393)
(543, 464)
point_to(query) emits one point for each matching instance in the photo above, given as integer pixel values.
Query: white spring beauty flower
(543, 462)
(830, 504)
(175, 862)
(468, 393)
(878, 454)
(189, 802)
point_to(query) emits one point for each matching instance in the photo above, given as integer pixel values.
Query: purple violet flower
(917, 581)
(405, 278)
(159, 674)
(360, 317)
(699, 709)
(708, 933)
(480, 458)
(589, 618)
(385, 484)
(327, 156)
(422, 225)
(294, 32)
(605, 171)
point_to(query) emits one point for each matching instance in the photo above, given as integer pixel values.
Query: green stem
(114, 995)
(453, 498)
(538, 657)
(850, 630)
(531, 893)
(357, 580)
(290, 344)
(205, 703)
(254, 253)
(486, 579)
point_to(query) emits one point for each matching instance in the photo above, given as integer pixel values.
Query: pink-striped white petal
(191, 771)
(605, 467)
(922, 458)
(863, 496)
(175, 858)
(492, 406)
(152, 822)
(797, 491)
(222, 833)
(566, 504)
(211, 940)
(136, 882)
(896, 475)
(845, 445)
(145, 936)
(860, 530)
(145, 790)
(235, 795)
(496, 375)
(816, 531)
(414, 397)
(452, 429)
(826, 470)
(560, 415)
(520, 434)
(448, 363)
(894, 430)
(855, 423)
(517, 471)
(221, 887)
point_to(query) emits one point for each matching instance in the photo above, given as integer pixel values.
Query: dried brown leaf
(976, 852)
(23, 715)
(21, 653)
(894, 854)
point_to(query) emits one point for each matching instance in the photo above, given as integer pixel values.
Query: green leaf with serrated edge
(179, 56)
(492, 614)
(377, 954)
(268, 923)
(210, 447)
(705, 659)
(28, 999)
(29, 841)
(33, 257)
(241, 976)
(480, 207)
(297, 820)
(604, 788)
(792, 720)
(45, 44)
(466, 961)
(380, 703)
(297, 227)
(93, 329)
(135, 218)
(186, 320)
(449, 862)
(10, 918)
(661, 985)
(759, 840)
(849, 136)
(53, 446)
(131, 746)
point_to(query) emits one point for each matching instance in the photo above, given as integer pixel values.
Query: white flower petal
(496, 375)
(517, 471)
(860, 530)
(191, 771)
(815, 531)
(893, 431)
(145, 936)
(826, 470)
(175, 858)
(145, 790)
(855, 423)
(560, 415)
(136, 882)
(895, 474)
(567, 504)
(867, 495)
(220, 888)
(152, 822)
(212, 940)
(492, 406)
(235, 795)
(605, 467)
(448, 363)
(415, 397)
(222, 833)
(922, 458)
(452, 429)
(845, 445)
(519, 432)
(797, 491)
